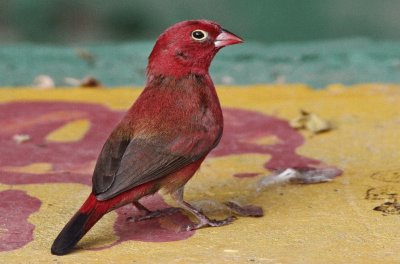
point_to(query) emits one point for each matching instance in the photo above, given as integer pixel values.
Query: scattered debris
(90, 82)
(87, 82)
(386, 194)
(226, 79)
(299, 176)
(85, 55)
(382, 193)
(43, 82)
(392, 208)
(311, 175)
(311, 122)
(72, 81)
(247, 210)
(21, 138)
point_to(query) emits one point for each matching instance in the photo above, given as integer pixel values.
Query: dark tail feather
(90, 212)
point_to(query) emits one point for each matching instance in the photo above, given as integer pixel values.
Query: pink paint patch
(162, 229)
(243, 128)
(38, 119)
(245, 175)
(15, 230)
(69, 160)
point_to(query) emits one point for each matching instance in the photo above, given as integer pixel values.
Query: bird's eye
(199, 35)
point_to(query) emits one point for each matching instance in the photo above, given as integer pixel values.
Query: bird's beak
(226, 38)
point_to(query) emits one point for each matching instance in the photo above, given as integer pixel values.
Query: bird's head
(188, 47)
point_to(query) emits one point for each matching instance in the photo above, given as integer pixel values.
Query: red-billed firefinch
(165, 135)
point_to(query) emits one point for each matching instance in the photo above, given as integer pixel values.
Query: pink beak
(226, 38)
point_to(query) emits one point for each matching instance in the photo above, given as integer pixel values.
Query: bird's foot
(154, 214)
(205, 221)
(247, 210)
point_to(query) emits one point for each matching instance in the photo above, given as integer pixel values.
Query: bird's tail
(88, 215)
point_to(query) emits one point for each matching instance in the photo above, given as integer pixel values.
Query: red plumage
(165, 135)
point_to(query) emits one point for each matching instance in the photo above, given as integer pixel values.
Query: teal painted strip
(316, 63)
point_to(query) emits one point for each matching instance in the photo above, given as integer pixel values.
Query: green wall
(72, 21)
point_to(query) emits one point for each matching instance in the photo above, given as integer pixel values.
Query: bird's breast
(186, 111)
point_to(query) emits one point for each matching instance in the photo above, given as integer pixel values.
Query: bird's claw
(154, 214)
(211, 222)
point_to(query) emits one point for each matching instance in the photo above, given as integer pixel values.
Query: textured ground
(354, 218)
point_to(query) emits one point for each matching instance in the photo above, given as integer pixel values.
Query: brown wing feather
(143, 162)
(108, 163)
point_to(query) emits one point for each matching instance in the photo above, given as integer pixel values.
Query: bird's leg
(141, 207)
(203, 219)
(148, 214)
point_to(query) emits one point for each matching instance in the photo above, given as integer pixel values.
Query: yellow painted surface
(324, 223)
(72, 131)
(34, 168)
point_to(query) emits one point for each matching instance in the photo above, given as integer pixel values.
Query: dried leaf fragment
(43, 82)
(87, 82)
(299, 176)
(311, 122)
(90, 82)
(392, 208)
(21, 138)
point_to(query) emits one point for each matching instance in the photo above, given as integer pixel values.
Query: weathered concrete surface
(45, 179)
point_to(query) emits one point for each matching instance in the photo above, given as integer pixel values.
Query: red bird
(164, 136)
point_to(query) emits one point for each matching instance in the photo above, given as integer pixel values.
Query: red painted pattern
(15, 230)
(38, 119)
(243, 128)
(73, 161)
(167, 228)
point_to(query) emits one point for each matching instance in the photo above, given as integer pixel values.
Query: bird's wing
(141, 162)
(108, 163)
